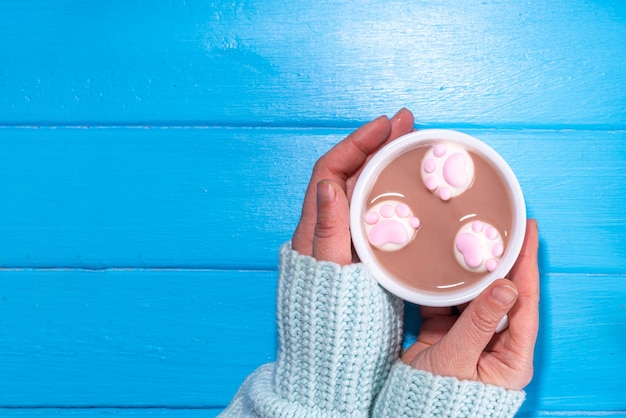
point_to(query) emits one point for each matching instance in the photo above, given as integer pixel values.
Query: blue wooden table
(153, 157)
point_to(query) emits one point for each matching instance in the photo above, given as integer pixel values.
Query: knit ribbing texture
(415, 393)
(339, 333)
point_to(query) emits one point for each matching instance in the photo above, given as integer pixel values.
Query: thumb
(331, 240)
(474, 329)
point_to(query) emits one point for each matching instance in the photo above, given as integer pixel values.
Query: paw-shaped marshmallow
(390, 225)
(447, 170)
(478, 247)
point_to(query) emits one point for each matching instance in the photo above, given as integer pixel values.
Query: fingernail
(504, 295)
(397, 113)
(326, 193)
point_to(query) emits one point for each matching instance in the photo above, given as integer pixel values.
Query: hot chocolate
(438, 217)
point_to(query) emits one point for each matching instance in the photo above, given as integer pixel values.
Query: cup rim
(363, 186)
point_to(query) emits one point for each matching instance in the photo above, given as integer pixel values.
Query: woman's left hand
(324, 228)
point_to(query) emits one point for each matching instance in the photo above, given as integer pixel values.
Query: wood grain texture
(496, 63)
(132, 337)
(168, 197)
(154, 158)
(137, 338)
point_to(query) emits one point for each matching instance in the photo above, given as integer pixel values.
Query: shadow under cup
(437, 215)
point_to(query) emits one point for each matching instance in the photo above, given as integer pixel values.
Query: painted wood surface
(153, 158)
(168, 197)
(164, 338)
(500, 63)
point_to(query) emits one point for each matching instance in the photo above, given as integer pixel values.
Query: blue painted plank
(187, 339)
(227, 198)
(137, 338)
(541, 63)
(580, 356)
(120, 412)
(148, 198)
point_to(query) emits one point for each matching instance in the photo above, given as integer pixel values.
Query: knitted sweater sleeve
(339, 333)
(339, 337)
(409, 392)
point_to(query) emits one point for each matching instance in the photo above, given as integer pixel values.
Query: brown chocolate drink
(428, 261)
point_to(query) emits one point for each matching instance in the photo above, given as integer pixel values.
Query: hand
(324, 228)
(465, 346)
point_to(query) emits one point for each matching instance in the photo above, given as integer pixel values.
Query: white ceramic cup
(368, 177)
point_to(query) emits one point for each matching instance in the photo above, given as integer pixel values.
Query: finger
(343, 160)
(401, 124)
(524, 317)
(436, 322)
(349, 155)
(331, 240)
(476, 326)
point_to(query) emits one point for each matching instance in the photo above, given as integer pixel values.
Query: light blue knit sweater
(339, 341)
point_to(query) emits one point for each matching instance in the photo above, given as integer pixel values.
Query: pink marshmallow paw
(390, 225)
(447, 170)
(478, 247)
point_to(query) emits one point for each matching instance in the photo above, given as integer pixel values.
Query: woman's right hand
(467, 347)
